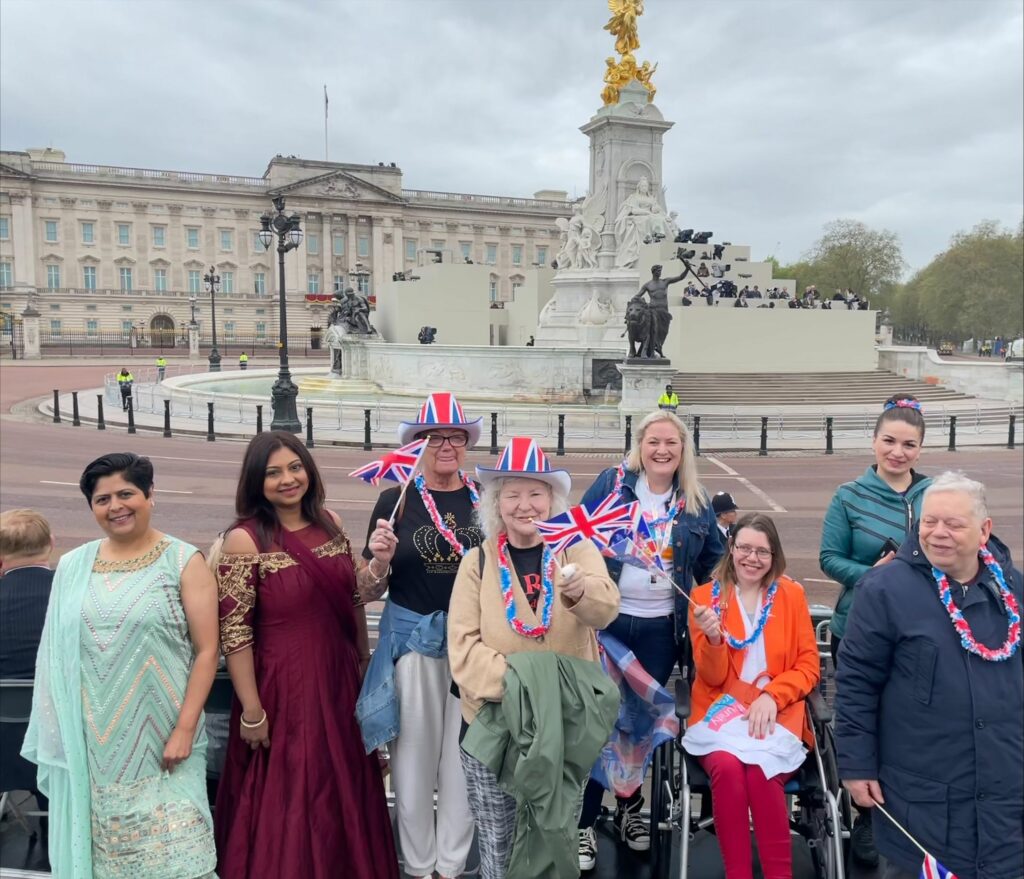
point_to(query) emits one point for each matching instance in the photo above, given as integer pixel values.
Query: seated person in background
(702, 271)
(716, 270)
(754, 294)
(741, 300)
(727, 290)
(756, 660)
(25, 578)
(795, 303)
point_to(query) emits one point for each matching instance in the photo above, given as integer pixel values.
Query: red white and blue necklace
(547, 586)
(661, 527)
(435, 517)
(961, 625)
(766, 609)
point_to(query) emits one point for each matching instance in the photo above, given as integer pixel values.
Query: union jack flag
(397, 466)
(600, 522)
(523, 456)
(932, 869)
(638, 548)
(442, 408)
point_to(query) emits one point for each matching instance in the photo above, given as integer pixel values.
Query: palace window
(125, 275)
(159, 236)
(195, 281)
(53, 277)
(227, 282)
(259, 283)
(192, 237)
(89, 277)
(227, 240)
(50, 231)
(88, 233)
(363, 246)
(160, 280)
(124, 234)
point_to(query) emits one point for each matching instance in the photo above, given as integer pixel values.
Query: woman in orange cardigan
(756, 660)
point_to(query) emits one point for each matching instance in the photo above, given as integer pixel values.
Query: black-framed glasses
(456, 441)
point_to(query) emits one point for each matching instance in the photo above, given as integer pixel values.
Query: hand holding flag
(398, 466)
(599, 522)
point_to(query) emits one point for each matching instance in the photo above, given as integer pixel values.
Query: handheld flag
(398, 466)
(932, 869)
(600, 522)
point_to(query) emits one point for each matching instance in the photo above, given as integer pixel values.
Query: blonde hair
(214, 555)
(489, 516)
(686, 472)
(24, 533)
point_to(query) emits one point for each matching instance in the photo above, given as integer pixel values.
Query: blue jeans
(653, 642)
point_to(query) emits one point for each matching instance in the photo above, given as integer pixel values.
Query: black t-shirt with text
(424, 567)
(527, 565)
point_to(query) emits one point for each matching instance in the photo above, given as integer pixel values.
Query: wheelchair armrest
(818, 707)
(682, 699)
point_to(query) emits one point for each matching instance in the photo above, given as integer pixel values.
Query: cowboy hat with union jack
(523, 458)
(443, 412)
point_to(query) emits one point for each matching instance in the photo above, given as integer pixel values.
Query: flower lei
(961, 625)
(547, 587)
(716, 608)
(435, 517)
(657, 525)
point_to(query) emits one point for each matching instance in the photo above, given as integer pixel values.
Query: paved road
(40, 463)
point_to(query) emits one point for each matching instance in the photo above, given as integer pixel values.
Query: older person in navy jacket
(930, 693)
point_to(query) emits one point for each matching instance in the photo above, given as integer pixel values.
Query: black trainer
(862, 841)
(631, 826)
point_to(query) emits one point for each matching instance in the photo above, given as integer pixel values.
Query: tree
(851, 255)
(973, 289)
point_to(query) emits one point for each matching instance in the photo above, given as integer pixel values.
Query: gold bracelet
(377, 580)
(246, 724)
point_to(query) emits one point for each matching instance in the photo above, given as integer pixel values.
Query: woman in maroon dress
(298, 798)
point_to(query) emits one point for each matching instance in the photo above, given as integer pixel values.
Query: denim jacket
(401, 631)
(696, 541)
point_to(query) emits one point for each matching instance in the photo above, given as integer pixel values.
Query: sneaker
(588, 849)
(631, 826)
(862, 841)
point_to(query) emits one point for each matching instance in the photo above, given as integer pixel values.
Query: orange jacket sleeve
(711, 661)
(801, 675)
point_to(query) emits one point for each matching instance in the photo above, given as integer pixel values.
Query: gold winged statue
(618, 74)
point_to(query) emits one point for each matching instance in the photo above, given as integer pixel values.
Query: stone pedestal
(643, 381)
(193, 342)
(30, 333)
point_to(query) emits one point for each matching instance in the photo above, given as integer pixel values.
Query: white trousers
(424, 758)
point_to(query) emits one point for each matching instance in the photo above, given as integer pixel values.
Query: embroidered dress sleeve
(237, 576)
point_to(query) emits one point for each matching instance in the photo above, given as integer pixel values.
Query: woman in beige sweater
(520, 597)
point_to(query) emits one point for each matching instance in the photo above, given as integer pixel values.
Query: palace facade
(101, 249)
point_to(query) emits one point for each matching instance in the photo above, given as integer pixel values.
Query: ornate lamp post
(212, 279)
(192, 305)
(284, 391)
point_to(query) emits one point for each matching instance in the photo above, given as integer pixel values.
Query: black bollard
(494, 433)
(629, 434)
(1012, 431)
(75, 420)
(210, 435)
(259, 418)
(367, 443)
(828, 436)
(309, 427)
(131, 416)
(56, 406)
(952, 434)
(100, 425)
(167, 418)
(696, 435)
(763, 450)
(561, 436)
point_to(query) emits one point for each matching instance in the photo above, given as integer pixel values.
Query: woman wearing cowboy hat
(407, 697)
(518, 597)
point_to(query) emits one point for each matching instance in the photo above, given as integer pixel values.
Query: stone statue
(640, 217)
(660, 318)
(351, 312)
(581, 233)
(332, 338)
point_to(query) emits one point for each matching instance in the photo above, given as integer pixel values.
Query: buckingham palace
(100, 249)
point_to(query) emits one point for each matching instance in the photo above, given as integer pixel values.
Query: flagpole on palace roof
(325, 122)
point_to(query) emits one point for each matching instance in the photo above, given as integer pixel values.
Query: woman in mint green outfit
(126, 662)
(865, 521)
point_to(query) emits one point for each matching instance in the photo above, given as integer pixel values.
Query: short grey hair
(957, 480)
(489, 516)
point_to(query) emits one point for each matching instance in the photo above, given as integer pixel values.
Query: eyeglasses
(456, 441)
(743, 551)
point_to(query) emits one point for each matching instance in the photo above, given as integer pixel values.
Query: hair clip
(902, 404)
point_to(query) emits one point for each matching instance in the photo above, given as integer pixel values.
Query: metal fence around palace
(74, 343)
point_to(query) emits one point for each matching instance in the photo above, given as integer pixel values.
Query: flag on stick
(398, 466)
(600, 522)
(931, 868)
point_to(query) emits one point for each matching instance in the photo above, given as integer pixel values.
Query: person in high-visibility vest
(161, 368)
(669, 400)
(243, 361)
(124, 382)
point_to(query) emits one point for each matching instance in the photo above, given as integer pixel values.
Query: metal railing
(74, 169)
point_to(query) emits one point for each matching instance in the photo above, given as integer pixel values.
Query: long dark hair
(251, 501)
(905, 408)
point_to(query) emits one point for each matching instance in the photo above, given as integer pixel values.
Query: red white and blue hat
(523, 458)
(441, 411)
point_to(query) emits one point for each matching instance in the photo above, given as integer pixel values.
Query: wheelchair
(820, 811)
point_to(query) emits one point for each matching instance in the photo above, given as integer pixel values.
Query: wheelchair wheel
(663, 799)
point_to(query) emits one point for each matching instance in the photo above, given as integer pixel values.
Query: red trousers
(736, 790)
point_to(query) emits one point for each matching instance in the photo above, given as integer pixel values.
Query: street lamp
(212, 279)
(192, 305)
(284, 392)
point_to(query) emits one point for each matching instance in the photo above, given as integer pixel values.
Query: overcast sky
(905, 114)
